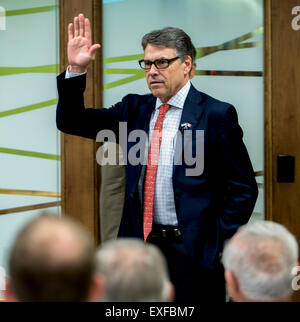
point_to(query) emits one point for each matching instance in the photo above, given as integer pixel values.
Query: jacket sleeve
(238, 176)
(73, 118)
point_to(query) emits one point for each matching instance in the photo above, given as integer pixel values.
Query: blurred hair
(134, 271)
(261, 256)
(52, 259)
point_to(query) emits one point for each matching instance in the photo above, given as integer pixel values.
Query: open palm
(80, 49)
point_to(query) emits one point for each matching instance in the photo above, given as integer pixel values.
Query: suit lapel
(191, 114)
(145, 112)
(142, 123)
(192, 109)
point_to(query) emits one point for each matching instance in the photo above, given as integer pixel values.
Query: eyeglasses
(160, 63)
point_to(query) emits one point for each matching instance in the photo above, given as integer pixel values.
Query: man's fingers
(76, 26)
(81, 25)
(70, 31)
(87, 28)
(93, 50)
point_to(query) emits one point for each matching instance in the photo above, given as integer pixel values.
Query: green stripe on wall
(29, 10)
(232, 44)
(127, 71)
(122, 58)
(30, 154)
(5, 71)
(123, 81)
(28, 108)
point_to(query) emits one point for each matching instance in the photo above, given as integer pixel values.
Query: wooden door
(80, 172)
(282, 111)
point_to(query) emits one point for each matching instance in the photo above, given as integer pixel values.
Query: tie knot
(164, 108)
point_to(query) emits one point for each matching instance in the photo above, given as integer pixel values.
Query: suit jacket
(209, 207)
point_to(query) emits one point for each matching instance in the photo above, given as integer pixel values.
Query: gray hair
(133, 270)
(261, 256)
(171, 37)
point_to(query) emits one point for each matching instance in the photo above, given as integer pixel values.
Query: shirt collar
(178, 99)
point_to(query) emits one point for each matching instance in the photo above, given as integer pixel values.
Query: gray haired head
(171, 37)
(133, 270)
(261, 256)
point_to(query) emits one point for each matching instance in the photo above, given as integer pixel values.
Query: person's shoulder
(212, 104)
(214, 101)
(138, 97)
(136, 100)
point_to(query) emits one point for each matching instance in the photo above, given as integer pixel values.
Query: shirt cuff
(70, 75)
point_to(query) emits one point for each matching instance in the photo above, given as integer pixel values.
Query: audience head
(52, 259)
(258, 262)
(133, 271)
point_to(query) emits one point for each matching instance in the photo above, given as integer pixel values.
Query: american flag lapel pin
(186, 126)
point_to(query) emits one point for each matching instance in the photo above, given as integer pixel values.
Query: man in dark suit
(187, 209)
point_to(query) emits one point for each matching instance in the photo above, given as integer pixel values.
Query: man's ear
(188, 65)
(233, 286)
(171, 293)
(193, 70)
(97, 288)
(8, 293)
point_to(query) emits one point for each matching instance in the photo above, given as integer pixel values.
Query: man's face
(165, 83)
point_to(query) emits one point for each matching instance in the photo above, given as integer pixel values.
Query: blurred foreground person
(52, 259)
(258, 262)
(133, 272)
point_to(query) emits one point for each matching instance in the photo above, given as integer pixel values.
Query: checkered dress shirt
(164, 211)
(164, 204)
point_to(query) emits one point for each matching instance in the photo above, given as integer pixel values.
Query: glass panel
(29, 140)
(228, 35)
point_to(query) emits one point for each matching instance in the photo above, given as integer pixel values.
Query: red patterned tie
(151, 171)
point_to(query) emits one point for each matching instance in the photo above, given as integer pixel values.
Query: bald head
(54, 240)
(52, 260)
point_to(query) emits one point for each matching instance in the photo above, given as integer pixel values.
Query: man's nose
(153, 70)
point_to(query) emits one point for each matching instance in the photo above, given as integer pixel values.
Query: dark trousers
(193, 283)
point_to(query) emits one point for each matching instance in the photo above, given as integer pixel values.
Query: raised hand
(80, 49)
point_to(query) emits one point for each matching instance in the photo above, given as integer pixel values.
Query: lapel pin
(185, 126)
